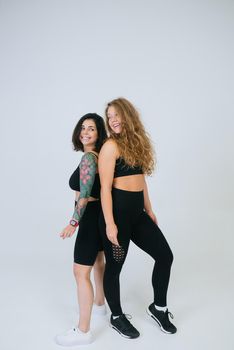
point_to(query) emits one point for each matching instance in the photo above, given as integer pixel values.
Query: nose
(114, 118)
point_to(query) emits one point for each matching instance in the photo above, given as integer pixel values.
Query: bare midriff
(129, 183)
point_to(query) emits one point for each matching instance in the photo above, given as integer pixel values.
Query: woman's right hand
(111, 232)
(68, 231)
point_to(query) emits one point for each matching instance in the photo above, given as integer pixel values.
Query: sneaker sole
(72, 345)
(158, 322)
(123, 335)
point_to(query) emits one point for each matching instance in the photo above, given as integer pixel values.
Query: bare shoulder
(91, 156)
(110, 147)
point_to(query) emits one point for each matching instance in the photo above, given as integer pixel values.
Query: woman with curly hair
(124, 160)
(88, 137)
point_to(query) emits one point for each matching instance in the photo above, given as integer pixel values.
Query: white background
(174, 61)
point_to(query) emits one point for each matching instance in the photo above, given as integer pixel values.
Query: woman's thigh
(88, 240)
(148, 236)
(113, 253)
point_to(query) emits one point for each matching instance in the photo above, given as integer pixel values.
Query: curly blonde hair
(133, 142)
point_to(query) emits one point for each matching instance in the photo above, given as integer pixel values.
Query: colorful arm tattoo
(88, 167)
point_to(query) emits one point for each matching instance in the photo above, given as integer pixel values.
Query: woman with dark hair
(125, 158)
(88, 137)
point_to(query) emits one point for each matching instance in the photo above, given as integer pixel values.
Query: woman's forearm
(80, 208)
(107, 207)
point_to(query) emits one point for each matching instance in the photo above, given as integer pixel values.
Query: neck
(88, 149)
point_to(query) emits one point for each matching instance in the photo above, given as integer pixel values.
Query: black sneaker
(162, 319)
(124, 327)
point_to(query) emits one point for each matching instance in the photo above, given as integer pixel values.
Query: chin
(116, 131)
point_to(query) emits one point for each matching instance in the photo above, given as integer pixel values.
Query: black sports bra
(74, 183)
(123, 169)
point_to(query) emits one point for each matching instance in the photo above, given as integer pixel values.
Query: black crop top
(74, 183)
(123, 169)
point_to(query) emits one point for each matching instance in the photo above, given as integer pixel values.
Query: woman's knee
(81, 272)
(170, 256)
(113, 270)
(99, 262)
(165, 257)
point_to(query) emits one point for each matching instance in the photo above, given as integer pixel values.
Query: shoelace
(170, 314)
(127, 324)
(167, 321)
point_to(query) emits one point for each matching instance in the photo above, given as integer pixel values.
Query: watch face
(73, 222)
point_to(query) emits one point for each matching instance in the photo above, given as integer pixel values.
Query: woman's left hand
(68, 231)
(152, 216)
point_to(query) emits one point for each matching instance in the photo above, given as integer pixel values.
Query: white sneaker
(99, 310)
(74, 337)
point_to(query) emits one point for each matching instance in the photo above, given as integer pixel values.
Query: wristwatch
(74, 223)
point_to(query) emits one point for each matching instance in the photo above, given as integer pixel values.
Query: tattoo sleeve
(88, 167)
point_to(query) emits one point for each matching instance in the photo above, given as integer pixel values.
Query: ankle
(99, 301)
(160, 308)
(83, 329)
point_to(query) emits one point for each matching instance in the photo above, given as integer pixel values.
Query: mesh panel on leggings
(118, 253)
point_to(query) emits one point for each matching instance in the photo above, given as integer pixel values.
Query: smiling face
(114, 120)
(88, 134)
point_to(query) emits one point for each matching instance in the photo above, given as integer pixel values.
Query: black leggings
(134, 224)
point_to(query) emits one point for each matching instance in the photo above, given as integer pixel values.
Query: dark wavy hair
(101, 130)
